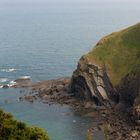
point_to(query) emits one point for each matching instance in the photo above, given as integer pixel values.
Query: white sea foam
(12, 83)
(8, 70)
(25, 77)
(3, 80)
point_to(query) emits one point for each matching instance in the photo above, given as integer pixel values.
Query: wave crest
(8, 70)
(3, 80)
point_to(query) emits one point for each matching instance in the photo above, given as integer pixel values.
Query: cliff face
(91, 82)
(110, 73)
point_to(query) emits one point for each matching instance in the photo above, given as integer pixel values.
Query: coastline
(99, 88)
(113, 123)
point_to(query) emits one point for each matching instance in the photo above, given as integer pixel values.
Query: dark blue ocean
(45, 40)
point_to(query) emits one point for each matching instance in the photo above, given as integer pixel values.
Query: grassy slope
(10, 129)
(119, 53)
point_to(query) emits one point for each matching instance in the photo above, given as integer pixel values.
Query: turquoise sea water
(61, 122)
(45, 40)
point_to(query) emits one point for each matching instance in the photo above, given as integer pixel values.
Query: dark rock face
(129, 93)
(5, 86)
(128, 89)
(91, 82)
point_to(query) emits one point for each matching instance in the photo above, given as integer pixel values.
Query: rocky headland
(106, 85)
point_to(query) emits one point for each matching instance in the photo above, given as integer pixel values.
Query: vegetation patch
(118, 53)
(11, 129)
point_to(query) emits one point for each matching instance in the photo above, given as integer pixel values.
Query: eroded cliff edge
(110, 73)
(91, 82)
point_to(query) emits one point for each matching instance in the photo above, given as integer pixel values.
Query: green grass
(11, 129)
(118, 53)
(89, 136)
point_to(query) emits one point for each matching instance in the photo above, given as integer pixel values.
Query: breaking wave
(8, 70)
(3, 80)
(6, 83)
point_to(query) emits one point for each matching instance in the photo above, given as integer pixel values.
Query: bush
(11, 129)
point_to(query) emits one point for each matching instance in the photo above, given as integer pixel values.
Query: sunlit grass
(118, 53)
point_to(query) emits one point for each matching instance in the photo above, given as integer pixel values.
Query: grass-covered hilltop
(10, 129)
(118, 53)
(110, 73)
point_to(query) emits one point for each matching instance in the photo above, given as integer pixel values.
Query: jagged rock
(88, 105)
(59, 87)
(92, 114)
(108, 77)
(91, 82)
(5, 86)
(30, 98)
(136, 114)
(45, 97)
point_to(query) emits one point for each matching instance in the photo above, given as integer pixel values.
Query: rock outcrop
(91, 82)
(110, 73)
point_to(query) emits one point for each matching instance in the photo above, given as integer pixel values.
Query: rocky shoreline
(105, 85)
(114, 123)
(55, 92)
